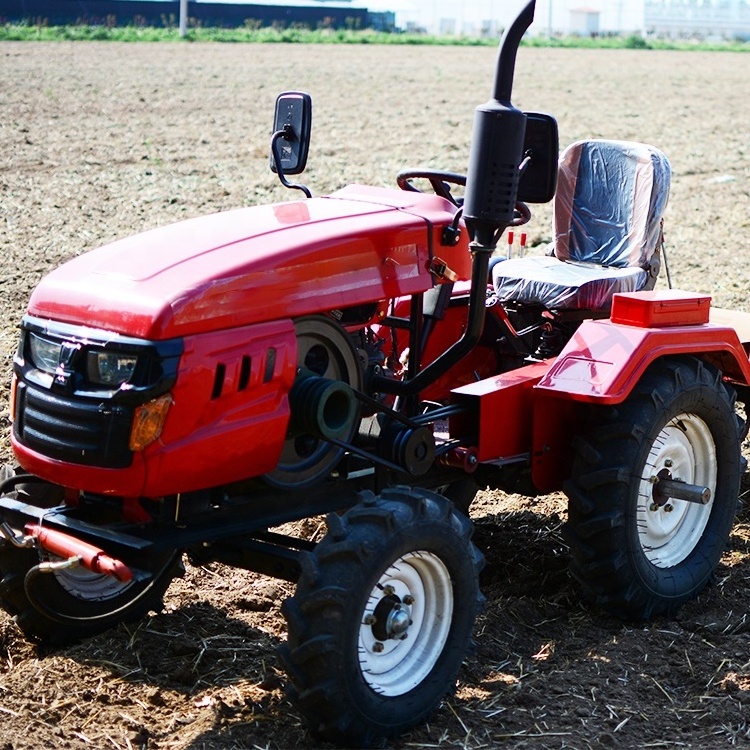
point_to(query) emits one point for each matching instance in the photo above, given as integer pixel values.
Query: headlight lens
(45, 354)
(110, 368)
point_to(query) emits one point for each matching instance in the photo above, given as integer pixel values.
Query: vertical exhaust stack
(497, 147)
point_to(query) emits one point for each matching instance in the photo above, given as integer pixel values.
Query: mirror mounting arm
(287, 133)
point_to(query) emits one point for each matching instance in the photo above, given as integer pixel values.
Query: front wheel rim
(405, 623)
(684, 450)
(88, 586)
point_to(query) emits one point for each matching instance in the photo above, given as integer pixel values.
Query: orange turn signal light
(12, 404)
(148, 422)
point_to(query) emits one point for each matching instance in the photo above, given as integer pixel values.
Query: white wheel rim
(413, 601)
(686, 450)
(85, 584)
(89, 586)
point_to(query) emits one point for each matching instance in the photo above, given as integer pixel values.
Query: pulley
(322, 407)
(410, 447)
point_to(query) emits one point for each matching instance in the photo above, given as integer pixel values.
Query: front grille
(90, 432)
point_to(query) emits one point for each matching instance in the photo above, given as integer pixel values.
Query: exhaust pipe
(497, 146)
(489, 204)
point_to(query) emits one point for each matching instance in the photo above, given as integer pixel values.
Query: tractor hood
(250, 265)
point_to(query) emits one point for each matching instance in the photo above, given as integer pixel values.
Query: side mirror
(539, 179)
(291, 132)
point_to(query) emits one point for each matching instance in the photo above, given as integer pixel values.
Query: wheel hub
(89, 586)
(391, 618)
(405, 623)
(669, 527)
(398, 622)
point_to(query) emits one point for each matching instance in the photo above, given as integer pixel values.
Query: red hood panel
(250, 265)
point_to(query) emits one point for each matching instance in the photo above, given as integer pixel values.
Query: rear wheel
(636, 548)
(382, 616)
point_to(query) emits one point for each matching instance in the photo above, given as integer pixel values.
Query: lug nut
(370, 620)
(669, 507)
(378, 647)
(668, 462)
(388, 590)
(654, 507)
(408, 600)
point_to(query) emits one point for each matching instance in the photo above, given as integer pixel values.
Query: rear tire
(382, 616)
(633, 551)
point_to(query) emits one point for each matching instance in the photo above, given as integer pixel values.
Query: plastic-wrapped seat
(607, 219)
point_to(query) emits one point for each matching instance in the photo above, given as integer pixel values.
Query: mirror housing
(539, 179)
(291, 132)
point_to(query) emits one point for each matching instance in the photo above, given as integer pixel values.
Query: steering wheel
(440, 183)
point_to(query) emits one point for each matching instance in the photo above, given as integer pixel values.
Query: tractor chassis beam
(233, 533)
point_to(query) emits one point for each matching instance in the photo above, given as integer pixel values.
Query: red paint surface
(253, 265)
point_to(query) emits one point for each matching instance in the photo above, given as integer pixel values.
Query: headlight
(110, 368)
(45, 354)
(76, 361)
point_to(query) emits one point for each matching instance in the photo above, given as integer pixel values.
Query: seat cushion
(610, 199)
(563, 285)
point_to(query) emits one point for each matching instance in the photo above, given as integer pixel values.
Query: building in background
(691, 19)
(489, 17)
(725, 19)
(584, 21)
(311, 13)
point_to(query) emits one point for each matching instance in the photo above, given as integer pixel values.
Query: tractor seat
(607, 220)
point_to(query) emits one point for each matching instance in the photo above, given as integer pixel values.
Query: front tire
(382, 616)
(634, 550)
(461, 493)
(65, 606)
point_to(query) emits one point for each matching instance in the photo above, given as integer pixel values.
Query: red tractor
(369, 356)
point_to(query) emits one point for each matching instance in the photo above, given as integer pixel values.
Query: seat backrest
(611, 196)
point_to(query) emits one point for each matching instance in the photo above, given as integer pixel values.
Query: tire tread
(603, 473)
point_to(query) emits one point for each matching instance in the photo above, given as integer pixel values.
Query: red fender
(606, 358)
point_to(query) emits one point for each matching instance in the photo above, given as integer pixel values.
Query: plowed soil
(99, 141)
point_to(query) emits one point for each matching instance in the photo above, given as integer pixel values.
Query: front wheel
(654, 489)
(65, 606)
(382, 616)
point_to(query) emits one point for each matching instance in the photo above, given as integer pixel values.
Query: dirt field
(98, 141)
